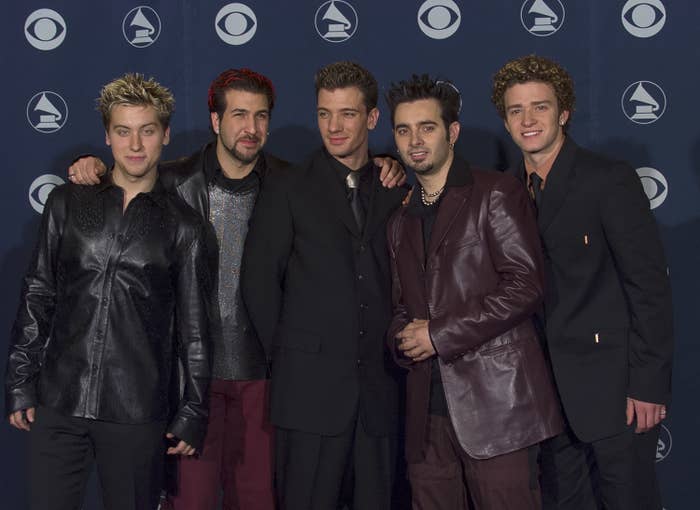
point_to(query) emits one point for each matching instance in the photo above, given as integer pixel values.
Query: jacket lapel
(382, 202)
(557, 185)
(451, 206)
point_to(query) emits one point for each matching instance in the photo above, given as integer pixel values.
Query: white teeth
(531, 133)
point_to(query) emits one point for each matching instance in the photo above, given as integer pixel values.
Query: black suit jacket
(607, 306)
(300, 282)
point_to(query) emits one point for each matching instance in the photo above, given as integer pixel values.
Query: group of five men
(531, 311)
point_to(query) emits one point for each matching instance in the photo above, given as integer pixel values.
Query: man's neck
(354, 161)
(435, 181)
(232, 167)
(542, 162)
(132, 186)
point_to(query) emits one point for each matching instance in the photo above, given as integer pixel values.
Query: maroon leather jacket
(479, 285)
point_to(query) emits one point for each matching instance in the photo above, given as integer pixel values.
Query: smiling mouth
(418, 155)
(530, 134)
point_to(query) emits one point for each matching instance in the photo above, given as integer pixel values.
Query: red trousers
(237, 452)
(447, 478)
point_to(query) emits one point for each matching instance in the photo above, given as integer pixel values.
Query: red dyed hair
(239, 79)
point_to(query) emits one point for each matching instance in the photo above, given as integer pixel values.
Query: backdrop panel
(635, 63)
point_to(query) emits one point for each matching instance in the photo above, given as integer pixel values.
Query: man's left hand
(391, 172)
(414, 340)
(648, 414)
(181, 448)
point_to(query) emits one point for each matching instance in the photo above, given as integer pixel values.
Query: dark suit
(319, 295)
(607, 311)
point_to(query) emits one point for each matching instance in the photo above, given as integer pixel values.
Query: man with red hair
(222, 181)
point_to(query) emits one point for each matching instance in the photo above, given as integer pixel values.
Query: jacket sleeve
(400, 316)
(267, 249)
(32, 327)
(634, 241)
(192, 312)
(511, 237)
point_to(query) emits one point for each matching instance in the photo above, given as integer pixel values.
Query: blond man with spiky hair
(115, 295)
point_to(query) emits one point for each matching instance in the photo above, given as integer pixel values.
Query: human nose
(135, 142)
(335, 124)
(416, 138)
(528, 119)
(249, 125)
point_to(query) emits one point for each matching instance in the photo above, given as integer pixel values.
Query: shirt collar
(157, 195)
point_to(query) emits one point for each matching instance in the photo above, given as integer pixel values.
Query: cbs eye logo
(439, 19)
(40, 188)
(643, 18)
(236, 24)
(654, 184)
(45, 29)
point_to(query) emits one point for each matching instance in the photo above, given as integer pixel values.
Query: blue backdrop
(635, 64)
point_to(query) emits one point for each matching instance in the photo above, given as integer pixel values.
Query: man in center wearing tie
(317, 285)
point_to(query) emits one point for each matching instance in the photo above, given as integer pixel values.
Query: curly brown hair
(534, 68)
(340, 75)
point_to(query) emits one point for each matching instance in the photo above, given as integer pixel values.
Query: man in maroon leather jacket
(467, 277)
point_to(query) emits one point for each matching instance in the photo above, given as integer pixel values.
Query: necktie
(352, 181)
(536, 183)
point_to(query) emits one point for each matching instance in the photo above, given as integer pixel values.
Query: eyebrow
(139, 127)
(342, 109)
(421, 123)
(535, 103)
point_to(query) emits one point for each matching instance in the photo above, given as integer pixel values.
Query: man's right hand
(86, 170)
(21, 419)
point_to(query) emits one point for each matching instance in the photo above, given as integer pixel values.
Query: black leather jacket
(190, 177)
(109, 303)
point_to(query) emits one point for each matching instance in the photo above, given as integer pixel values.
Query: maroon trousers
(237, 452)
(447, 478)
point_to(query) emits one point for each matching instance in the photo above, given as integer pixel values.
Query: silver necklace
(424, 197)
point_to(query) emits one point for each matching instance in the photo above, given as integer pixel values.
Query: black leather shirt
(111, 300)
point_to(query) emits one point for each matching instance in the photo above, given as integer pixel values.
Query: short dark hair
(534, 68)
(239, 79)
(340, 75)
(424, 87)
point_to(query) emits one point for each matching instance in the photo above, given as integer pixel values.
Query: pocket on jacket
(464, 242)
(299, 340)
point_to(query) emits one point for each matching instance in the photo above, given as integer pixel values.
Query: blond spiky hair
(135, 89)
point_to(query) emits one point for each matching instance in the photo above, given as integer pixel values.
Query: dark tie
(352, 181)
(536, 183)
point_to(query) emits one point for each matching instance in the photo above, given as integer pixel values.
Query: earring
(452, 146)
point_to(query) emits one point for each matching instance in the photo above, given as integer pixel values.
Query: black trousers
(62, 450)
(615, 473)
(352, 470)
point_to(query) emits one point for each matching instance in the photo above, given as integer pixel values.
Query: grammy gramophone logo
(336, 21)
(47, 111)
(141, 26)
(643, 102)
(542, 17)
